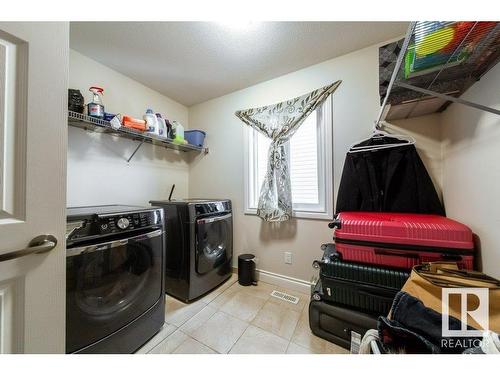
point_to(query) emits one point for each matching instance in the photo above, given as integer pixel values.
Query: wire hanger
(405, 140)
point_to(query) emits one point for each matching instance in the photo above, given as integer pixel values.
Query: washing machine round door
(214, 242)
(110, 284)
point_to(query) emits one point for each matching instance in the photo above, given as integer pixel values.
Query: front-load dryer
(199, 243)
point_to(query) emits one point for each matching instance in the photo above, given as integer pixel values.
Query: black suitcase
(337, 323)
(367, 288)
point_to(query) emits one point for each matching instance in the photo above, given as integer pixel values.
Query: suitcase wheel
(316, 297)
(336, 224)
(335, 257)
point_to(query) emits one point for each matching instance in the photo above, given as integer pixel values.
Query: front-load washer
(199, 243)
(115, 299)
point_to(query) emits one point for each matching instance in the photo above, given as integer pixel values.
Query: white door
(33, 139)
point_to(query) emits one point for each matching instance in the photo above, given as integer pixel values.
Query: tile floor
(238, 320)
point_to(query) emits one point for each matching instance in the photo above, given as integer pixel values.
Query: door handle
(213, 219)
(38, 245)
(72, 251)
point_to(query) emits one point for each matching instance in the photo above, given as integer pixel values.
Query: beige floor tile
(225, 296)
(243, 306)
(220, 332)
(171, 343)
(165, 331)
(297, 349)
(277, 318)
(216, 292)
(177, 312)
(191, 346)
(212, 295)
(261, 290)
(304, 337)
(257, 341)
(233, 279)
(198, 320)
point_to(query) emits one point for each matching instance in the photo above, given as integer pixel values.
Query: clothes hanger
(378, 133)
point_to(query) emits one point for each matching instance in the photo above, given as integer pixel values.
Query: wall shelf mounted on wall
(81, 121)
(434, 65)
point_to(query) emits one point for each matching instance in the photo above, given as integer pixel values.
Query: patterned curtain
(279, 122)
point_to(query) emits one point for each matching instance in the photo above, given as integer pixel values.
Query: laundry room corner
(98, 171)
(269, 241)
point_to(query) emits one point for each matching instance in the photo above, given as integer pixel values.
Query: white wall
(97, 169)
(220, 174)
(471, 167)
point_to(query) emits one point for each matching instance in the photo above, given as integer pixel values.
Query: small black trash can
(246, 270)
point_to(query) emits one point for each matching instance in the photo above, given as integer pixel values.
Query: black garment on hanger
(387, 180)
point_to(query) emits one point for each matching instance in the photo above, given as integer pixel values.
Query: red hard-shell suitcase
(402, 240)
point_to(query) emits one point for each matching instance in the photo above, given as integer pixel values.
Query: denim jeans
(414, 328)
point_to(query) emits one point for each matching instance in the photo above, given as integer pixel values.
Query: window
(310, 151)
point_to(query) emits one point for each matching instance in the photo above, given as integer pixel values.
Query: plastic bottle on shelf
(161, 126)
(151, 122)
(96, 108)
(178, 131)
(170, 131)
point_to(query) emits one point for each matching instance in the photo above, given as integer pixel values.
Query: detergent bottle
(178, 130)
(96, 107)
(162, 127)
(151, 122)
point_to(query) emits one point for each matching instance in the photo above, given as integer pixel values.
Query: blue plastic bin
(195, 137)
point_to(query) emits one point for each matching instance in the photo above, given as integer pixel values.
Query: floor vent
(285, 297)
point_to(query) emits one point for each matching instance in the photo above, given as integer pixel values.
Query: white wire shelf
(437, 62)
(89, 123)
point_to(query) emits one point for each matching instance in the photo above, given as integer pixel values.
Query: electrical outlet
(288, 257)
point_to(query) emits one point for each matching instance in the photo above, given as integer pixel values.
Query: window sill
(299, 214)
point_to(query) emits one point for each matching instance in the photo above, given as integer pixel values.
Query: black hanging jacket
(387, 180)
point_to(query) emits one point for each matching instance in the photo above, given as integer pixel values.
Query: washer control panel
(99, 225)
(123, 223)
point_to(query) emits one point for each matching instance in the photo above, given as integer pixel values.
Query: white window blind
(304, 162)
(310, 151)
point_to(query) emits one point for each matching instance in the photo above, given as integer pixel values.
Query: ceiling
(192, 62)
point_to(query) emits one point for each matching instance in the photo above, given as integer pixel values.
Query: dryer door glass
(214, 242)
(109, 285)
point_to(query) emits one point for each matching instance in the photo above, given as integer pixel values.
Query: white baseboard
(287, 282)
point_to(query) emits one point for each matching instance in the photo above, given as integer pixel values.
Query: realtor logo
(478, 312)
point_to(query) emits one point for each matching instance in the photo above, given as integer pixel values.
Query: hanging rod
(399, 61)
(448, 97)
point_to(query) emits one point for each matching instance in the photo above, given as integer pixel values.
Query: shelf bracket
(394, 75)
(136, 149)
(448, 97)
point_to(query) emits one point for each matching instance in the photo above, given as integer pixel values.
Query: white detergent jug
(161, 125)
(151, 122)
